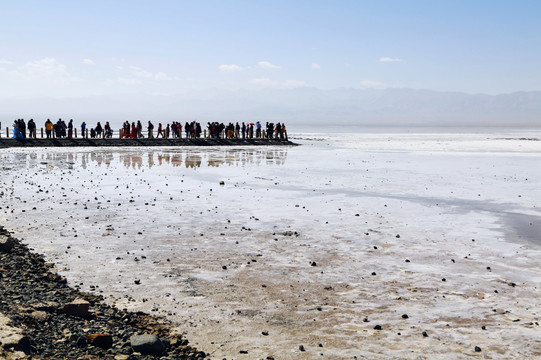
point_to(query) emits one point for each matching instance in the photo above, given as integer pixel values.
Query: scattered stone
(477, 349)
(39, 316)
(104, 341)
(377, 327)
(266, 333)
(10, 337)
(78, 307)
(301, 348)
(425, 334)
(147, 344)
(313, 263)
(243, 352)
(405, 316)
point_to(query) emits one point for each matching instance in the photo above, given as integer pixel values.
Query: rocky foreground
(41, 317)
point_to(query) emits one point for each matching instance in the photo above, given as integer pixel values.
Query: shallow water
(289, 243)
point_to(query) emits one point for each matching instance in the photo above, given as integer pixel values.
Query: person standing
(22, 128)
(257, 129)
(48, 128)
(133, 133)
(83, 130)
(99, 129)
(139, 129)
(31, 128)
(150, 129)
(70, 129)
(107, 129)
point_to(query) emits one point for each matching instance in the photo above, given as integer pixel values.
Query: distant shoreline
(22, 143)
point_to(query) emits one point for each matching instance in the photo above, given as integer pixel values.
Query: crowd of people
(192, 130)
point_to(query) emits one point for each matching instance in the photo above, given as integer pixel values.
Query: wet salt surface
(313, 245)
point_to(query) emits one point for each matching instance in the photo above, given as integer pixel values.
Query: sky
(82, 48)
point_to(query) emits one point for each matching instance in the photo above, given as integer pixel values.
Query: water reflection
(141, 159)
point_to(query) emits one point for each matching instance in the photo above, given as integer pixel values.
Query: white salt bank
(402, 246)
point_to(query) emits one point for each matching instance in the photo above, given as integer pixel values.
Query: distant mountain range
(369, 107)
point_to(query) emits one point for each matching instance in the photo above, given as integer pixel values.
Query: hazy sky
(79, 48)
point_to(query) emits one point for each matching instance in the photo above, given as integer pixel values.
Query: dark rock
(301, 348)
(405, 316)
(78, 307)
(377, 327)
(104, 341)
(147, 344)
(6, 243)
(425, 334)
(477, 349)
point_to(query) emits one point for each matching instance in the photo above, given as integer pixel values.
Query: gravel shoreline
(36, 323)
